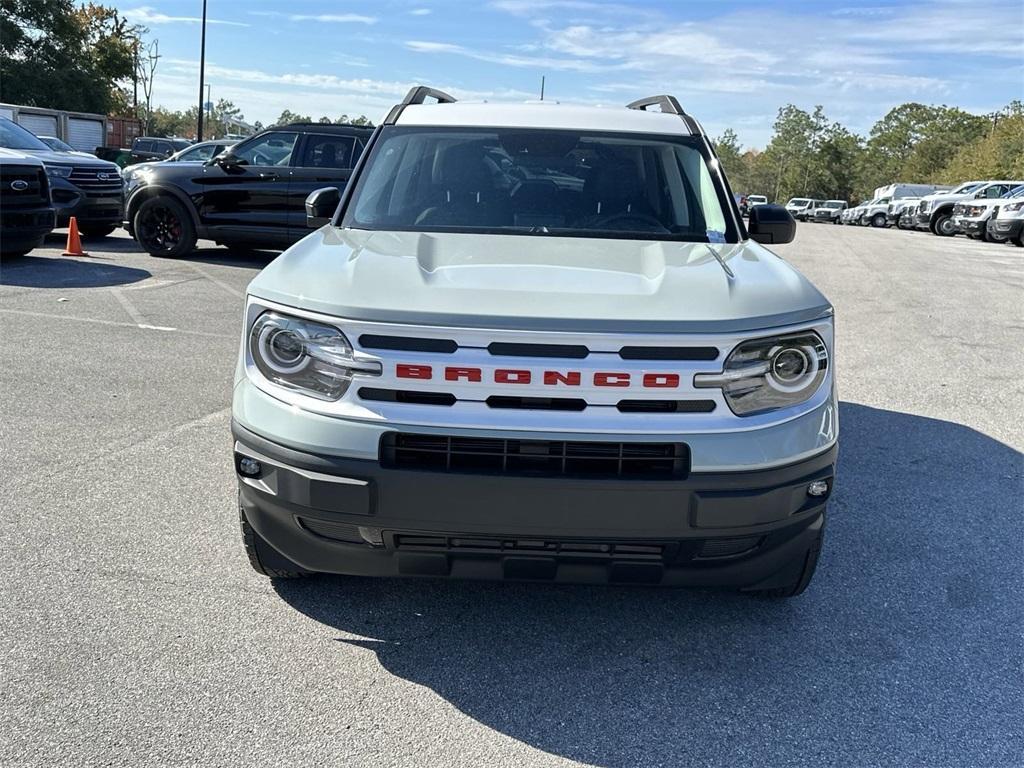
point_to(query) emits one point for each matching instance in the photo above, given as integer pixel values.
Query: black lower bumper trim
(349, 516)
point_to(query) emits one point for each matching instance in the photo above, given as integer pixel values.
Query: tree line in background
(58, 54)
(809, 156)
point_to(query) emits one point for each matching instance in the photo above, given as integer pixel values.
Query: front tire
(263, 558)
(164, 228)
(943, 225)
(878, 220)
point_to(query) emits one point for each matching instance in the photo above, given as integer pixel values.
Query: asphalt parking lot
(135, 633)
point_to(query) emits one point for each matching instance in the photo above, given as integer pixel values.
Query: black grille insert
(519, 545)
(669, 353)
(537, 403)
(408, 343)
(546, 458)
(406, 396)
(666, 406)
(571, 351)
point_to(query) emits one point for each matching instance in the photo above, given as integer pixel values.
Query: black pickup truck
(143, 150)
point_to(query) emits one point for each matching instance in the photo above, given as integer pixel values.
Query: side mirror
(321, 205)
(771, 224)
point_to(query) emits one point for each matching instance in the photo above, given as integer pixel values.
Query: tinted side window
(144, 146)
(198, 153)
(324, 151)
(269, 149)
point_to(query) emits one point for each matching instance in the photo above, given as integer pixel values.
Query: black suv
(91, 190)
(252, 195)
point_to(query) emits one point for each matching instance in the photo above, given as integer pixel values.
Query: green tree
(62, 55)
(223, 112)
(287, 116)
(999, 154)
(730, 155)
(790, 152)
(838, 161)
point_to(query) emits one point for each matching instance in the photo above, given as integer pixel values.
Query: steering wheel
(258, 158)
(630, 216)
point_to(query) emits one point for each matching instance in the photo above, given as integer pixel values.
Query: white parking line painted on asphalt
(143, 326)
(220, 284)
(130, 308)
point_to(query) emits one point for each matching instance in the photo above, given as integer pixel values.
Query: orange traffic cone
(74, 246)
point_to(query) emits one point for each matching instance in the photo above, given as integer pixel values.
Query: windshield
(798, 202)
(56, 144)
(962, 189)
(1015, 192)
(13, 136)
(833, 204)
(757, 199)
(537, 181)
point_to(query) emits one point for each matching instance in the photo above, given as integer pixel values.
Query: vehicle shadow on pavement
(56, 272)
(905, 649)
(232, 257)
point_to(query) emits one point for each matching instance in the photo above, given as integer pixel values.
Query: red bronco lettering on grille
(550, 378)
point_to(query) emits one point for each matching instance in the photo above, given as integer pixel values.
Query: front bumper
(1005, 229)
(24, 229)
(87, 207)
(351, 516)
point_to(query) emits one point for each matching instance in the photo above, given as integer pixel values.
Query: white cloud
(513, 60)
(420, 12)
(324, 18)
(144, 14)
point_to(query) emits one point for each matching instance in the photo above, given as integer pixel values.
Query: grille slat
(669, 353)
(548, 458)
(87, 179)
(568, 351)
(512, 545)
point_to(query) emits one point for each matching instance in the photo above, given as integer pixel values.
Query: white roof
(543, 114)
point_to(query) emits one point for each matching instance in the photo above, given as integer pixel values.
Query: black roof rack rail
(669, 105)
(417, 95)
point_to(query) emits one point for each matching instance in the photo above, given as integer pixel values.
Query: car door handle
(270, 175)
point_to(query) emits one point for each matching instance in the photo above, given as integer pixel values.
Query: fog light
(818, 488)
(372, 536)
(249, 467)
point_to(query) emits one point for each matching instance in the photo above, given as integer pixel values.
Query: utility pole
(542, 87)
(135, 79)
(209, 112)
(202, 74)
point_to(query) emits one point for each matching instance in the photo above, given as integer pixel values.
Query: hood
(938, 196)
(17, 156)
(71, 158)
(539, 282)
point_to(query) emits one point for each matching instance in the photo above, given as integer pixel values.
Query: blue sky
(732, 63)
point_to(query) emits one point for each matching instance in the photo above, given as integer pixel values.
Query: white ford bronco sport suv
(537, 342)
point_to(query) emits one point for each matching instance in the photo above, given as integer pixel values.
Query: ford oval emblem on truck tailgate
(19, 185)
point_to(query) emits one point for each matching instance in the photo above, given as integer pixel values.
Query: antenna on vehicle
(542, 87)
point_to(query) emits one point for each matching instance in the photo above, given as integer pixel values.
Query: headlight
(305, 356)
(767, 374)
(58, 171)
(1013, 206)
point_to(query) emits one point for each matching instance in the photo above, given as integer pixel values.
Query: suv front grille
(519, 545)
(545, 458)
(36, 191)
(87, 179)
